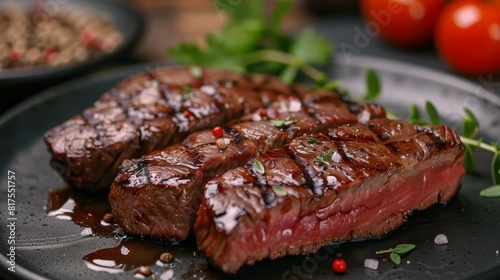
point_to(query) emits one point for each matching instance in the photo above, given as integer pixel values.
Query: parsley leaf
(372, 84)
(281, 9)
(311, 47)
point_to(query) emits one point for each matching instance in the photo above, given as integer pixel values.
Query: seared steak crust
(148, 202)
(148, 112)
(355, 181)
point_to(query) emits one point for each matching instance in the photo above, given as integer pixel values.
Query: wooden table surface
(172, 21)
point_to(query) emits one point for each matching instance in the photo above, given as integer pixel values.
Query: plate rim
(421, 72)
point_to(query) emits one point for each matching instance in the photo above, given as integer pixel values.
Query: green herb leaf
(186, 53)
(242, 9)
(288, 123)
(282, 7)
(491, 192)
(259, 167)
(186, 89)
(324, 159)
(470, 163)
(372, 84)
(321, 81)
(432, 112)
(495, 168)
(395, 258)
(404, 248)
(418, 122)
(391, 115)
(196, 71)
(282, 123)
(414, 112)
(313, 141)
(288, 75)
(310, 46)
(332, 86)
(252, 43)
(469, 129)
(471, 116)
(396, 253)
(280, 191)
(414, 116)
(470, 125)
(190, 54)
(238, 37)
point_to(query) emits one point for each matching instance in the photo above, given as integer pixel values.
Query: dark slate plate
(53, 248)
(126, 19)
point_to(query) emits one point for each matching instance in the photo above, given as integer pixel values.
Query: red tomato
(406, 23)
(468, 36)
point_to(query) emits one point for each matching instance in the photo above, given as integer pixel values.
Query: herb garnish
(186, 89)
(493, 191)
(279, 191)
(313, 141)
(259, 167)
(282, 123)
(397, 251)
(252, 43)
(324, 159)
(196, 71)
(373, 85)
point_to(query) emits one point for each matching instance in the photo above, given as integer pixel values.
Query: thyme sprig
(397, 252)
(324, 159)
(311, 140)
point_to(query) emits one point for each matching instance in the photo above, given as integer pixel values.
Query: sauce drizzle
(84, 209)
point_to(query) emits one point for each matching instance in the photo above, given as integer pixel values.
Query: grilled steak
(149, 112)
(355, 181)
(159, 194)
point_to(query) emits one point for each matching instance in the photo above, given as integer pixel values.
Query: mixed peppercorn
(36, 38)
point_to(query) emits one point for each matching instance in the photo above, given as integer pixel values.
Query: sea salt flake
(124, 250)
(371, 264)
(441, 239)
(364, 117)
(86, 232)
(167, 275)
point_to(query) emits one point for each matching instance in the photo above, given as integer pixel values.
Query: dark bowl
(15, 82)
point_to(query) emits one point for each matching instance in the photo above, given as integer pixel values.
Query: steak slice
(148, 112)
(356, 181)
(140, 196)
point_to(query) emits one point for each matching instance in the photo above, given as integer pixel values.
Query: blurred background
(170, 22)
